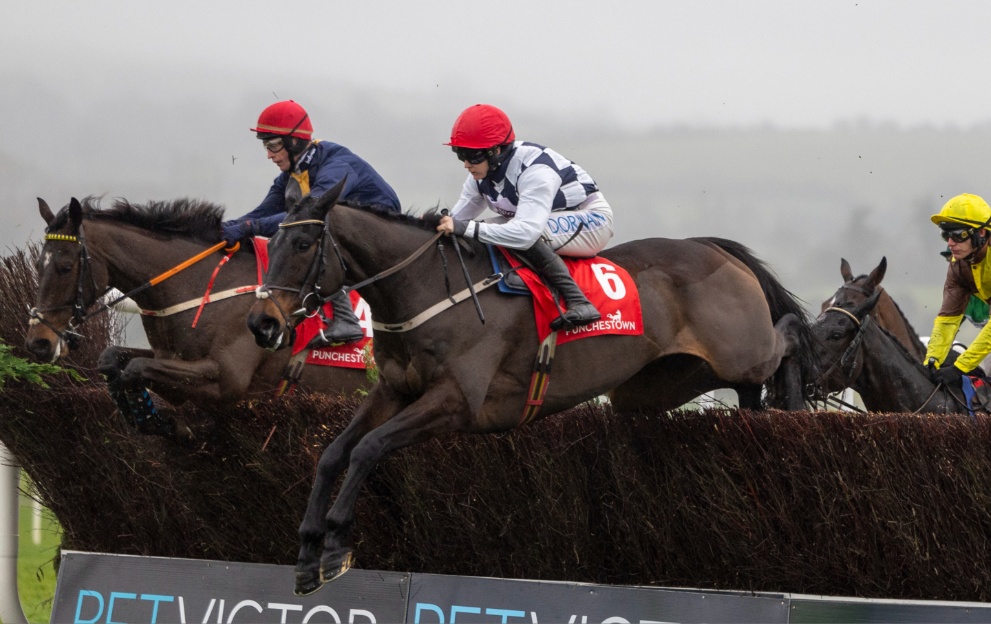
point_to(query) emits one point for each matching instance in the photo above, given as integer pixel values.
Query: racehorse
(857, 352)
(887, 314)
(713, 317)
(90, 250)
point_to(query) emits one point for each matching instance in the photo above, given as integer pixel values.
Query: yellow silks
(941, 338)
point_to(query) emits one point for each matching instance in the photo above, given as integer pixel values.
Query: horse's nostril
(40, 347)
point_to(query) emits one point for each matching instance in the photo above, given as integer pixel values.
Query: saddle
(977, 391)
(511, 282)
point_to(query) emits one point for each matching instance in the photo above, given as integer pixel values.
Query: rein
(79, 315)
(317, 268)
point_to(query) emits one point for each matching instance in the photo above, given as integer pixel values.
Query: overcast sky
(789, 63)
(153, 100)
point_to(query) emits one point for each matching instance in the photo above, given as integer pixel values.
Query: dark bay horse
(856, 352)
(90, 250)
(713, 317)
(887, 314)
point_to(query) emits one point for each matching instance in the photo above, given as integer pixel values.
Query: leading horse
(713, 317)
(89, 250)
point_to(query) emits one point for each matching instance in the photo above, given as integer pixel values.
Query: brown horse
(89, 250)
(887, 314)
(713, 317)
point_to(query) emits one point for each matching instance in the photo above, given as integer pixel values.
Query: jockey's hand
(949, 375)
(235, 231)
(449, 226)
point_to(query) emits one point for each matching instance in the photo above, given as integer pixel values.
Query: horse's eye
(63, 269)
(303, 245)
(836, 335)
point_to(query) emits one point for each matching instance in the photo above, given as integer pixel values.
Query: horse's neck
(890, 381)
(370, 245)
(133, 257)
(891, 318)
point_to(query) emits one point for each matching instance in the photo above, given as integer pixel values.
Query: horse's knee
(109, 362)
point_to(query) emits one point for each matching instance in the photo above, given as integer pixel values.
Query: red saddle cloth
(606, 284)
(352, 355)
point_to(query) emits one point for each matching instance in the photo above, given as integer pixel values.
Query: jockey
(547, 206)
(309, 167)
(964, 222)
(977, 311)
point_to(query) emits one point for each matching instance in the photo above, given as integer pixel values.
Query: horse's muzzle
(269, 331)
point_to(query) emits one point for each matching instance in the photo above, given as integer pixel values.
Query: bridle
(848, 359)
(309, 290)
(69, 335)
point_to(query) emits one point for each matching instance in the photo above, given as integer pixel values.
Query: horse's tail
(781, 301)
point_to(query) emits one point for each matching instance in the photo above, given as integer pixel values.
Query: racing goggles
(274, 145)
(472, 156)
(957, 236)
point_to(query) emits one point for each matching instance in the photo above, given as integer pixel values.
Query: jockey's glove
(949, 375)
(235, 231)
(460, 227)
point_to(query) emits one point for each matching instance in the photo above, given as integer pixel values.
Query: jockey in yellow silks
(964, 221)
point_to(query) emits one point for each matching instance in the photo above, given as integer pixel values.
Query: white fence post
(10, 602)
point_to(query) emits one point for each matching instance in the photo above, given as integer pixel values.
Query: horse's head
(302, 264)
(856, 290)
(839, 335)
(67, 284)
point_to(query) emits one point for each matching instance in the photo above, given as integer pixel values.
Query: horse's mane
(428, 221)
(897, 308)
(195, 218)
(904, 350)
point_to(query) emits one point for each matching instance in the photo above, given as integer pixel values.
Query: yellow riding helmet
(967, 210)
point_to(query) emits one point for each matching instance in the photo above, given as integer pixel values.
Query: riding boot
(343, 328)
(551, 267)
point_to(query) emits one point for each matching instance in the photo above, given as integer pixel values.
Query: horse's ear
(874, 279)
(75, 213)
(865, 308)
(329, 199)
(46, 212)
(845, 271)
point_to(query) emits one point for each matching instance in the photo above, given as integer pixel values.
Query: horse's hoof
(333, 567)
(307, 583)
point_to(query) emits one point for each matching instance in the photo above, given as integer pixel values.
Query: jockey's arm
(537, 188)
(941, 338)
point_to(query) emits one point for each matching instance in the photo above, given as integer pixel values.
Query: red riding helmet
(480, 127)
(285, 118)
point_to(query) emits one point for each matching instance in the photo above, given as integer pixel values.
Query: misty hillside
(800, 199)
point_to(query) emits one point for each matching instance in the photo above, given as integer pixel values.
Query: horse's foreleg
(787, 379)
(334, 459)
(440, 410)
(133, 400)
(191, 380)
